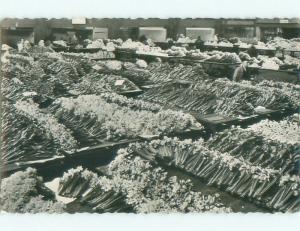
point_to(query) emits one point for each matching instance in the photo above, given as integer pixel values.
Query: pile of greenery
(24, 192)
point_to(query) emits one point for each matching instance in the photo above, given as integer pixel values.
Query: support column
(257, 33)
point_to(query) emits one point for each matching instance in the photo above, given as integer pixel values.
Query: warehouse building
(34, 30)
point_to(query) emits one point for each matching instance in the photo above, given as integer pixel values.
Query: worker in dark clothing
(47, 43)
(252, 51)
(236, 48)
(170, 43)
(199, 43)
(143, 39)
(79, 38)
(72, 39)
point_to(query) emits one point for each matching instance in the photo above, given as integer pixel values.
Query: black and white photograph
(150, 115)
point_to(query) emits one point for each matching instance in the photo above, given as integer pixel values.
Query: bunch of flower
(24, 140)
(12, 89)
(255, 147)
(130, 102)
(176, 51)
(223, 57)
(24, 192)
(99, 117)
(97, 83)
(219, 96)
(135, 183)
(289, 60)
(289, 44)
(185, 39)
(98, 43)
(232, 173)
(76, 181)
(59, 132)
(282, 131)
(164, 72)
(101, 54)
(290, 89)
(60, 43)
(18, 58)
(149, 189)
(141, 48)
(289, 185)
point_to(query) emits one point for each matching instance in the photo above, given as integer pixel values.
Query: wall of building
(43, 27)
(114, 25)
(204, 23)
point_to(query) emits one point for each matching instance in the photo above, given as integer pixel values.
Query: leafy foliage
(24, 192)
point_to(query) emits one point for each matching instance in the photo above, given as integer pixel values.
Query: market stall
(123, 125)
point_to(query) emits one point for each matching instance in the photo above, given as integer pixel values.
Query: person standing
(199, 43)
(74, 40)
(170, 43)
(236, 48)
(252, 51)
(143, 39)
(239, 72)
(216, 39)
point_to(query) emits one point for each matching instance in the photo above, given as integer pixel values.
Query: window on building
(241, 32)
